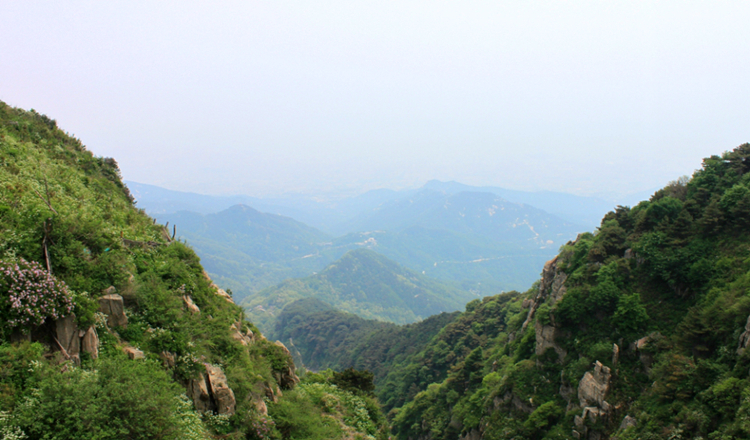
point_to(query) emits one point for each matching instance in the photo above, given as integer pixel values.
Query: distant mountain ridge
(330, 215)
(475, 238)
(364, 283)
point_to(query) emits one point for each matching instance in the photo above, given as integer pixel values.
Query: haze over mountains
(444, 230)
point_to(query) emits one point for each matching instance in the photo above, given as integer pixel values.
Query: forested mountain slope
(366, 284)
(109, 329)
(637, 331)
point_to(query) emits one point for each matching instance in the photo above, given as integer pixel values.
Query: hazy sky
(265, 97)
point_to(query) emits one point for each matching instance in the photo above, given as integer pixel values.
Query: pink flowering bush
(29, 294)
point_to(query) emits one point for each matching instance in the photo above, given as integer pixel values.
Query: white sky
(265, 97)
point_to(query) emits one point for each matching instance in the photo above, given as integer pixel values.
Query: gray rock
(222, 395)
(628, 422)
(134, 353)
(236, 332)
(190, 304)
(90, 342)
(113, 306)
(551, 286)
(66, 334)
(615, 354)
(198, 392)
(545, 338)
(593, 388)
(287, 378)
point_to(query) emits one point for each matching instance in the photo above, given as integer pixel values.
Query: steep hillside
(638, 331)
(110, 329)
(366, 284)
(323, 337)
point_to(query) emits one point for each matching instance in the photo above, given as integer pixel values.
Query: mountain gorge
(638, 331)
(474, 238)
(112, 329)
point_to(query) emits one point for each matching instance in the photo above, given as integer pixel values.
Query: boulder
(589, 417)
(640, 347)
(90, 342)
(112, 305)
(628, 422)
(222, 395)
(134, 353)
(66, 335)
(198, 392)
(190, 304)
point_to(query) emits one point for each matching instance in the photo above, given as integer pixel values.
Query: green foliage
(630, 318)
(354, 381)
(367, 284)
(120, 399)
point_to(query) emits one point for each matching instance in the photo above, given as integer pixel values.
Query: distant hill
(248, 250)
(471, 213)
(586, 211)
(366, 284)
(478, 239)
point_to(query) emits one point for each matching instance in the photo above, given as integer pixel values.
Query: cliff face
(636, 331)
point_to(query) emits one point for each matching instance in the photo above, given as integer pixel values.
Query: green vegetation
(642, 322)
(366, 284)
(665, 283)
(69, 234)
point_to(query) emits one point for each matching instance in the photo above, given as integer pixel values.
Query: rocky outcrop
(222, 395)
(593, 388)
(219, 291)
(643, 348)
(210, 392)
(589, 417)
(246, 338)
(90, 342)
(545, 338)
(286, 378)
(112, 305)
(744, 338)
(628, 422)
(551, 286)
(190, 304)
(67, 338)
(592, 392)
(198, 392)
(72, 341)
(133, 353)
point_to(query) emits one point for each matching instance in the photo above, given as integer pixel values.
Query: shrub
(30, 294)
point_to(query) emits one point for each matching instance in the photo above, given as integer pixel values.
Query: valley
(407, 326)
